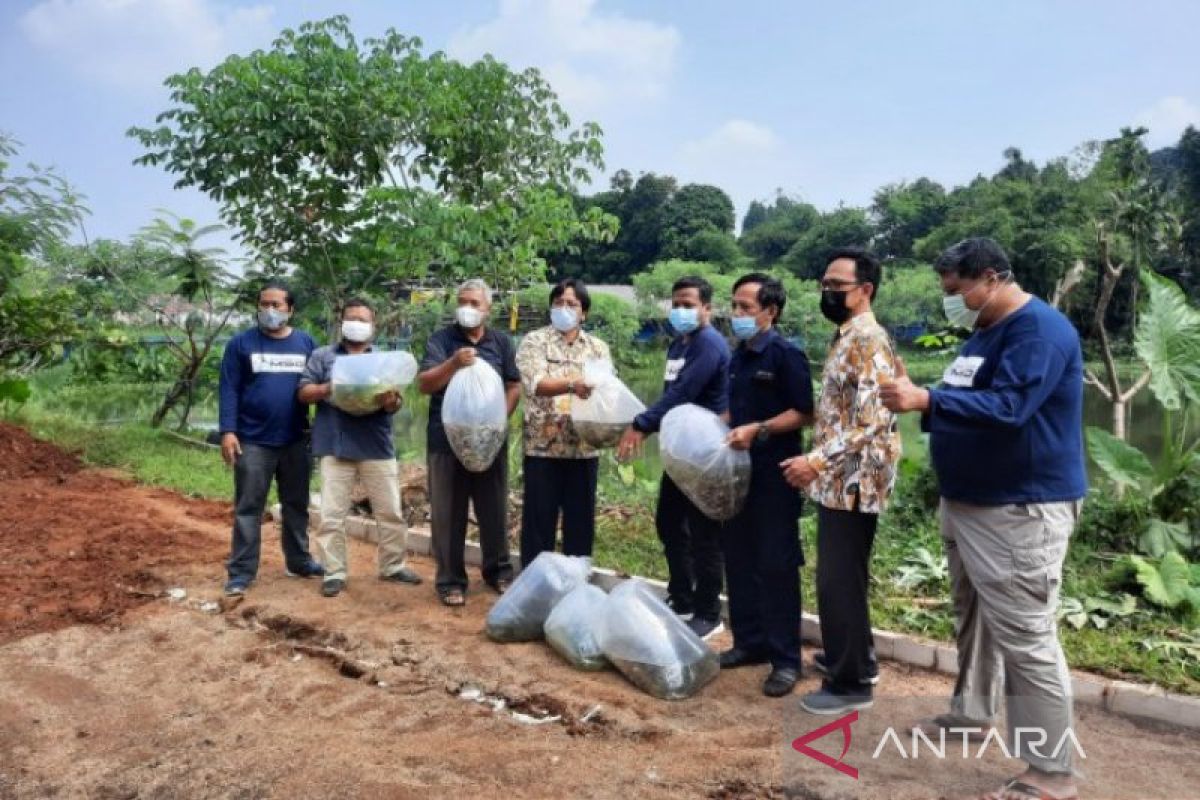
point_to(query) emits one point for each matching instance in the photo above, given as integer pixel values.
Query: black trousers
(762, 568)
(692, 544)
(253, 472)
(451, 486)
(554, 485)
(844, 541)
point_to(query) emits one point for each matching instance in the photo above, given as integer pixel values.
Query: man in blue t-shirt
(263, 429)
(697, 372)
(1006, 440)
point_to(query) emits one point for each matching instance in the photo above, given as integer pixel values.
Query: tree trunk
(1118, 410)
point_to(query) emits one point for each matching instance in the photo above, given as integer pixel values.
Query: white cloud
(135, 44)
(591, 59)
(737, 138)
(1167, 119)
(746, 159)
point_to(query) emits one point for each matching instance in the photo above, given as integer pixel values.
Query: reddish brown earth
(111, 689)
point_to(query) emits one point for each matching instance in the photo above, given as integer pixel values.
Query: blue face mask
(684, 320)
(563, 319)
(744, 328)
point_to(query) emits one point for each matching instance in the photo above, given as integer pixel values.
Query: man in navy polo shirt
(697, 372)
(1006, 438)
(770, 399)
(451, 485)
(355, 448)
(263, 430)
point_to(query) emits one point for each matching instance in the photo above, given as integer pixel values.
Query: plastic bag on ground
(652, 647)
(475, 415)
(572, 626)
(358, 380)
(521, 612)
(713, 475)
(603, 417)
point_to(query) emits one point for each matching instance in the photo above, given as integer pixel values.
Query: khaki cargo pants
(1005, 573)
(381, 480)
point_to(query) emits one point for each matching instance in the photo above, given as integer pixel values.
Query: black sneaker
(332, 587)
(236, 587)
(310, 569)
(822, 666)
(827, 702)
(780, 682)
(682, 610)
(402, 575)
(705, 628)
(736, 657)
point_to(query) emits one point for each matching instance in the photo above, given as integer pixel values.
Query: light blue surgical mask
(272, 319)
(564, 319)
(684, 320)
(744, 328)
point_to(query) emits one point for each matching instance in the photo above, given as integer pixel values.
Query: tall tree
(692, 209)
(905, 212)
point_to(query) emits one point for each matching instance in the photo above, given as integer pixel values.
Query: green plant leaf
(14, 390)
(1121, 462)
(1168, 340)
(1165, 584)
(1161, 537)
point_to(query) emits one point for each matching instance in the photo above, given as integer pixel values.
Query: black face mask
(833, 306)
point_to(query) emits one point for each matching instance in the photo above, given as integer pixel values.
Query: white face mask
(955, 305)
(355, 331)
(469, 317)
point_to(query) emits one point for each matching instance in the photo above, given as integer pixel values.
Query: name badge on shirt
(674, 365)
(277, 362)
(962, 372)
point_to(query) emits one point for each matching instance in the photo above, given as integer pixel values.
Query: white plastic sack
(475, 415)
(603, 417)
(713, 475)
(358, 380)
(521, 612)
(652, 647)
(572, 626)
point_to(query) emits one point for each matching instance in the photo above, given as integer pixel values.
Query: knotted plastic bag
(651, 646)
(572, 626)
(603, 417)
(475, 415)
(521, 612)
(358, 380)
(713, 475)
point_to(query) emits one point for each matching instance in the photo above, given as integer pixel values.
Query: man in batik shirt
(849, 474)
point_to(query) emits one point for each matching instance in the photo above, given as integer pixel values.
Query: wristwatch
(762, 434)
(570, 387)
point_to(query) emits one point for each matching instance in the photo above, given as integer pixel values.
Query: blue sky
(824, 101)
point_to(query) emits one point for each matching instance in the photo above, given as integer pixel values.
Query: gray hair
(476, 285)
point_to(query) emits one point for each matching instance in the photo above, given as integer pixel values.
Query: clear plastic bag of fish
(521, 612)
(358, 380)
(713, 475)
(572, 626)
(651, 645)
(475, 415)
(606, 413)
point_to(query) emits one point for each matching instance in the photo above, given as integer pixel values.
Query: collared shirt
(855, 441)
(546, 353)
(767, 376)
(494, 349)
(336, 433)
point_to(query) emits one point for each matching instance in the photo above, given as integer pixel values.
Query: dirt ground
(114, 686)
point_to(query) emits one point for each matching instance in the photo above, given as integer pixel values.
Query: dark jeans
(844, 541)
(762, 569)
(692, 544)
(252, 474)
(554, 485)
(451, 486)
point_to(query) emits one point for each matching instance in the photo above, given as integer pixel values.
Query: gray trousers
(1005, 572)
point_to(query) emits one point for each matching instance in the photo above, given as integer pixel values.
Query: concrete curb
(1124, 698)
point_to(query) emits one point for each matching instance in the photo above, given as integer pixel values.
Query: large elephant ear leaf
(1168, 341)
(1122, 463)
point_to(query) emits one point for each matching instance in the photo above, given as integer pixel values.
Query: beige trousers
(381, 480)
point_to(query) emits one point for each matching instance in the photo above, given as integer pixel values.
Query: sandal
(453, 597)
(1025, 791)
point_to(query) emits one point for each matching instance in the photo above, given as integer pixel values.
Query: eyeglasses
(838, 285)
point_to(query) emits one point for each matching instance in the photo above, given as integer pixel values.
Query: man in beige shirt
(560, 469)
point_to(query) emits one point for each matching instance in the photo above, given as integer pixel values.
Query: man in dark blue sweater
(263, 429)
(1006, 440)
(697, 372)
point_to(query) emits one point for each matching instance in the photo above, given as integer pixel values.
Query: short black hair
(576, 285)
(288, 297)
(970, 257)
(357, 302)
(867, 267)
(770, 290)
(693, 282)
